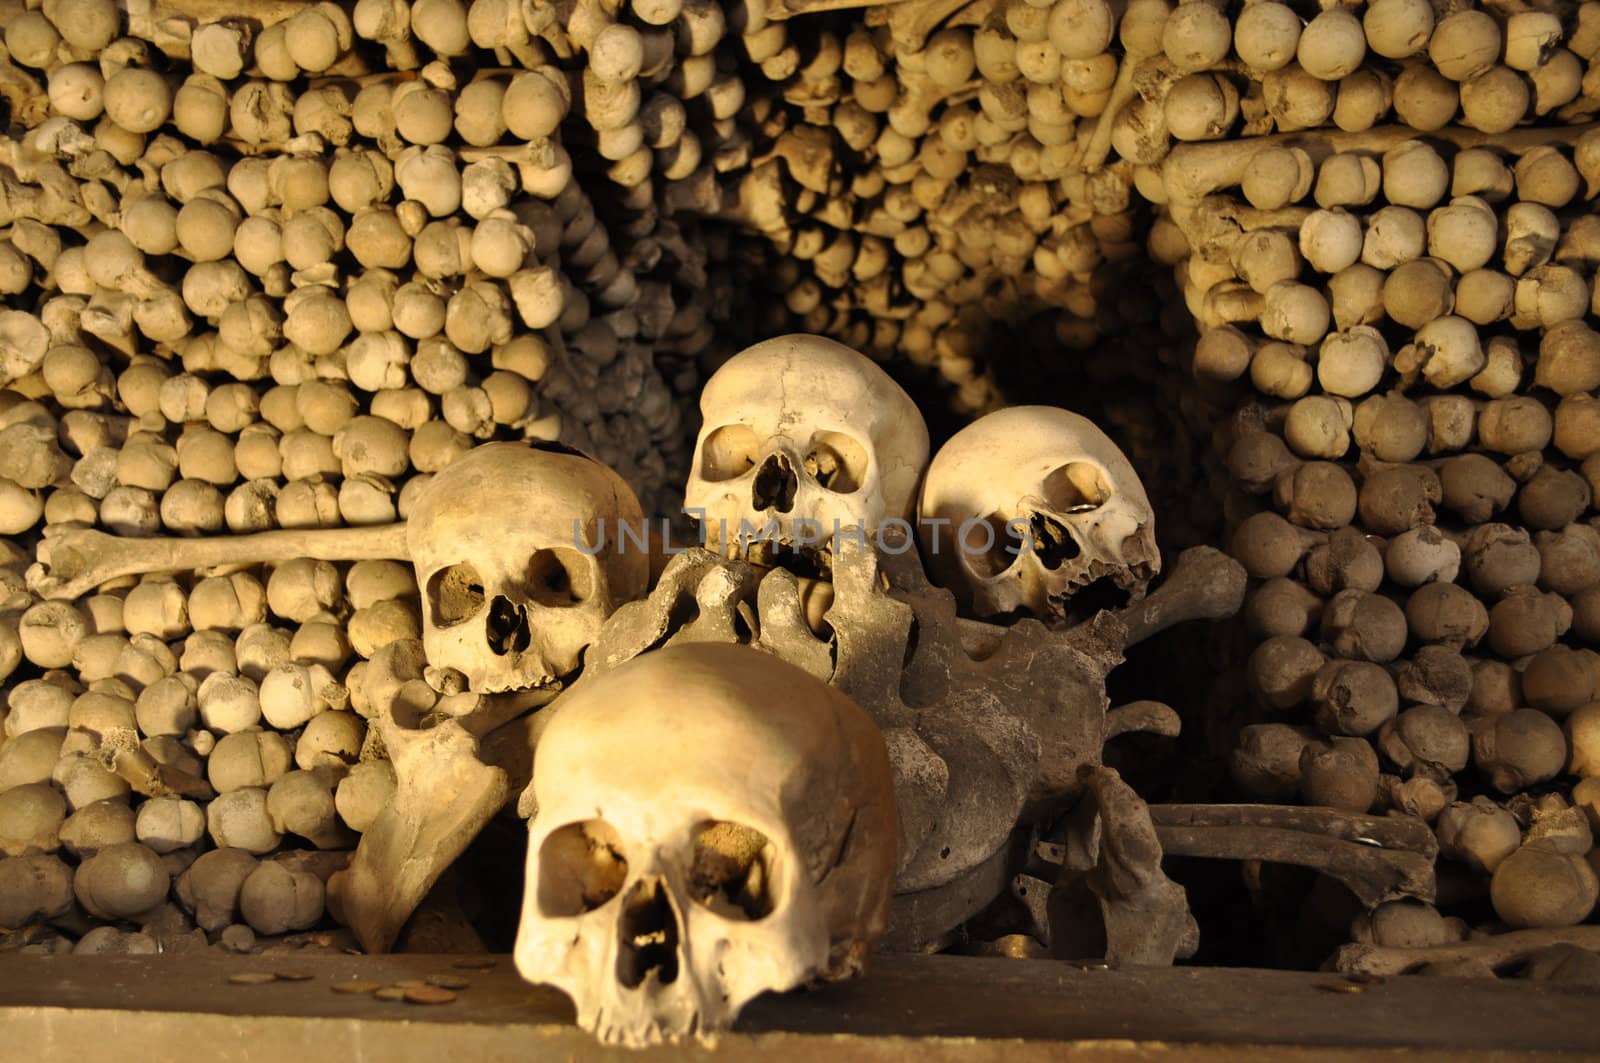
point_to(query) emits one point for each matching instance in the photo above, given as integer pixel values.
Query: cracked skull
(711, 823)
(803, 437)
(519, 557)
(1033, 508)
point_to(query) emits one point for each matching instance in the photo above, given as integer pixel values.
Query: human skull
(520, 558)
(806, 436)
(1033, 508)
(712, 823)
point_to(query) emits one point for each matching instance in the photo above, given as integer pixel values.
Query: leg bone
(1378, 858)
(74, 561)
(1205, 584)
(1497, 950)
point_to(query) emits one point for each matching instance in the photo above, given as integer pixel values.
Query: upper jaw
(804, 556)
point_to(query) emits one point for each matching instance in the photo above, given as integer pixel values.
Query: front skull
(520, 557)
(806, 437)
(711, 823)
(1033, 508)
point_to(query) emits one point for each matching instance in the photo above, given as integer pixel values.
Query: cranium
(520, 558)
(806, 435)
(1033, 508)
(711, 823)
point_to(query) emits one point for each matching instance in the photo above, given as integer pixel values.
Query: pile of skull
(663, 890)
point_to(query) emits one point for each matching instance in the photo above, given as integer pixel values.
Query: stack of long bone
(1396, 329)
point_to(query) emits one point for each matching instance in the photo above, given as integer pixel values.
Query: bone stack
(1399, 327)
(276, 277)
(925, 181)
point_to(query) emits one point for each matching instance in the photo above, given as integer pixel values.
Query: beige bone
(1205, 584)
(1499, 950)
(74, 561)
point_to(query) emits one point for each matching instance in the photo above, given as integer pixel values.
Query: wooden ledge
(924, 1008)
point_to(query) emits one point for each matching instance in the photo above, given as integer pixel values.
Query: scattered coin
(448, 981)
(1364, 978)
(252, 978)
(356, 987)
(429, 994)
(390, 992)
(410, 983)
(475, 963)
(294, 976)
(1341, 987)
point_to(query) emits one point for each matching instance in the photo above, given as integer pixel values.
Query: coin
(252, 978)
(1341, 987)
(356, 987)
(448, 981)
(390, 992)
(294, 976)
(429, 994)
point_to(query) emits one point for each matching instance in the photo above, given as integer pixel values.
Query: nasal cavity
(1054, 543)
(647, 936)
(508, 627)
(775, 485)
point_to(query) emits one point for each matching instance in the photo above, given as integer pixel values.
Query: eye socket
(984, 543)
(732, 874)
(581, 867)
(837, 462)
(729, 451)
(1076, 487)
(558, 577)
(455, 594)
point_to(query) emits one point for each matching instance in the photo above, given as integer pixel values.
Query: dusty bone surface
(941, 708)
(1426, 592)
(665, 892)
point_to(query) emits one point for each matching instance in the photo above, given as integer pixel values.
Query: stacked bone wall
(274, 272)
(1396, 322)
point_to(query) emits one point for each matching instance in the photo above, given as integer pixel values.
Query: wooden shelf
(922, 1008)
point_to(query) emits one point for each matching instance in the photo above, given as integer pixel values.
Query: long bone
(1378, 858)
(444, 792)
(1204, 584)
(1495, 950)
(74, 561)
(1191, 172)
